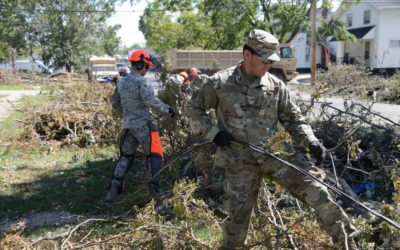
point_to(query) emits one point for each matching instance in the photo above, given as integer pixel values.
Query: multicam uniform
(196, 83)
(133, 97)
(177, 94)
(250, 110)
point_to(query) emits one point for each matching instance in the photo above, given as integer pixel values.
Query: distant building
(376, 25)
(302, 48)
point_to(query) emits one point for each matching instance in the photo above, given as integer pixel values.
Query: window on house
(394, 43)
(308, 54)
(308, 42)
(367, 17)
(349, 19)
(367, 50)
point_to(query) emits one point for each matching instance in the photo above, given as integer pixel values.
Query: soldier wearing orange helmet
(196, 80)
(133, 97)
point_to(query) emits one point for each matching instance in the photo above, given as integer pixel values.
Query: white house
(376, 24)
(302, 48)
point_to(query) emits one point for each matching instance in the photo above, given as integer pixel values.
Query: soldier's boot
(155, 189)
(113, 191)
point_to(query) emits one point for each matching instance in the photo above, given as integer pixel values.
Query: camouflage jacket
(249, 110)
(133, 97)
(195, 85)
(198, 81)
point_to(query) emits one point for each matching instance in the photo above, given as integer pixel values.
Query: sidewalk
(301, 79)
(11, 97)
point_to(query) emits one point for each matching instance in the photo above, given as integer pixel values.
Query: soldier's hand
(223, 138)
(172, 112)
(317, 151)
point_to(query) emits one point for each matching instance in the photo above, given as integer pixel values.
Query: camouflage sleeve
(197, 82)
(290, 116)
(150, 100)
(200, 121)
(116, 100)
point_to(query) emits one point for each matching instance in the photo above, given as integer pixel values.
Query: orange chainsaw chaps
(156, 147)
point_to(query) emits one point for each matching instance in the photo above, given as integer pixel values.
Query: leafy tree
(158, 28)
(69, 29)
(336, 28)
(111, 42)
(210, 24)
(63, 32)
(13, 27)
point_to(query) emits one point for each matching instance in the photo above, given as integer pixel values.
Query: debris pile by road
(355, 82)
(80, 115)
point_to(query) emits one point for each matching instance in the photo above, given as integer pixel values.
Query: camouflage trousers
(130, 140)
(243, 173)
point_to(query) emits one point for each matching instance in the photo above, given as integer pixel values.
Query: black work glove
(172, 112)
(317, 151)
(223, 138)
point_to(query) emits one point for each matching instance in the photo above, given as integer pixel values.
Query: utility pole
(313, 65)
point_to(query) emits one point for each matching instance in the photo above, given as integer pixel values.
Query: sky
(129, 19)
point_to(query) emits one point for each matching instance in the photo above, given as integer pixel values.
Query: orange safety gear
(193, 72)
(140, 56)
(185, 77)
(155, 145)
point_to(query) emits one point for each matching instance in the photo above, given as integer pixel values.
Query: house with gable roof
(376, 25)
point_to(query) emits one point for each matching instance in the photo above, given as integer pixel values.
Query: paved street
(389, 111)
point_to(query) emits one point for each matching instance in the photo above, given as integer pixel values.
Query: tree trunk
(313, 42)
(13, 55)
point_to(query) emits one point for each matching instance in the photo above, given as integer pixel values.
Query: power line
(219, 7)
(15, 10)
(93, 11)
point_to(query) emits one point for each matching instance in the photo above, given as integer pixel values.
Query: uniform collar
(240, 78)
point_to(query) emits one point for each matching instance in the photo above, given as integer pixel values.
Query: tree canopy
(209, 24)
(62, 32)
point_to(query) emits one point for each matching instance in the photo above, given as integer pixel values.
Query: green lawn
(15, 87)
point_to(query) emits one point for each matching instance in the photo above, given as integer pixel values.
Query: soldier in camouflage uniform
(180, 88)
(249, 102)
(196, 80)
(133, 97)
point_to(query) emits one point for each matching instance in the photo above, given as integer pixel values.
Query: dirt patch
(40, 219)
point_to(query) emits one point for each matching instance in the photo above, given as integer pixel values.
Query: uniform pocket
(233, 104)
(269, 106)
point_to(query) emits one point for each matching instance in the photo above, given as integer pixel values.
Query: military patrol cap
(264, 44)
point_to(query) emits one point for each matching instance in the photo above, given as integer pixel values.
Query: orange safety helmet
(140, 56)
(194, 72)
(185, 77)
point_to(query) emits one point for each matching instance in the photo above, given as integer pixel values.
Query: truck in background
(211, 61)
(102, 69)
